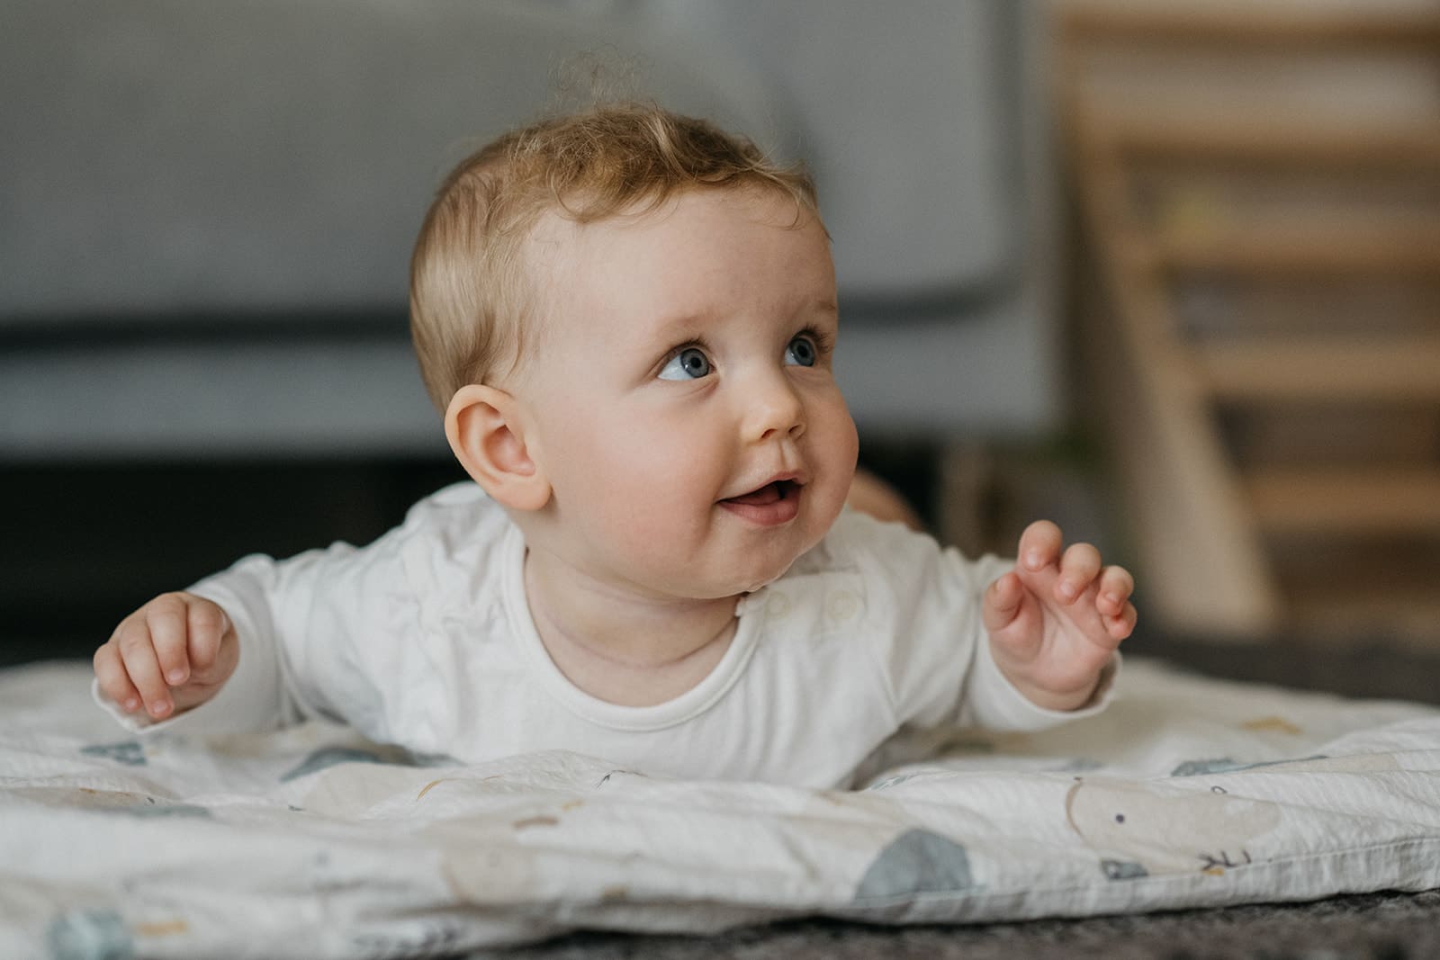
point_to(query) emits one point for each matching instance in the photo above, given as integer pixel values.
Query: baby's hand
(1055, 620)
(174, 653)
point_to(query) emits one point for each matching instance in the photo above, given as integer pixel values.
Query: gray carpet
(1384, 926)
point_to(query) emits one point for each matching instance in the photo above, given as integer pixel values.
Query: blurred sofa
(206, 208)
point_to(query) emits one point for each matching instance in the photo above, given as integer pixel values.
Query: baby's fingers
(1116, 586)
(1078, 569)
(1121, 626)
(1001, 603)
(208, 626)
(137, 653)
(114, 681)
(168, 618)
(1039, 545)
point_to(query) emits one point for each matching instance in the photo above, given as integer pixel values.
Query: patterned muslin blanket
(313, 843)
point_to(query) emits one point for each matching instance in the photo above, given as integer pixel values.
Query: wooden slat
(1193, 509)
(1204, 562)
(1237, 138)
(1347, 502)
(1338, 369)
(1293, 30)
(1297, 248)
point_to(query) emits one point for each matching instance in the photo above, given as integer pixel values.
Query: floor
(1381, 926)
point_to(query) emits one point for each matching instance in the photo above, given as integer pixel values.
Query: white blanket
(312, 843)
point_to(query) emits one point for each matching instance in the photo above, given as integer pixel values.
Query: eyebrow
(695, 320)
(684, 322)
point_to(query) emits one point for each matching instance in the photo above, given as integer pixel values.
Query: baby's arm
(1055, 620)
(265, 643)
(253, 617)
(174, 653)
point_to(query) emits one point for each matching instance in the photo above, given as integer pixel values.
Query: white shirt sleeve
(298, 622)
(936, 648)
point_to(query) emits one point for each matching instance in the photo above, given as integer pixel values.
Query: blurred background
(1167, 273)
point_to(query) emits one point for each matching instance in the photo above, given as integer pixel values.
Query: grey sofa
(206, 207)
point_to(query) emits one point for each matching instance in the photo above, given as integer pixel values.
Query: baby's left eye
(689, 364)
(801, 352)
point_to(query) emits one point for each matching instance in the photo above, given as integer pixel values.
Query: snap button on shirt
(777, 606)
(843, 606)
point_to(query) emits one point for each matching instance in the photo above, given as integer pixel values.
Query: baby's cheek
(836, 444)
(665, 500)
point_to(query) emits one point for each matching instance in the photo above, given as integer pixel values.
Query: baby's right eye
(689, 364)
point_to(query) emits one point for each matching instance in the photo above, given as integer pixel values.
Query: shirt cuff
(135, 723)
(996, 704)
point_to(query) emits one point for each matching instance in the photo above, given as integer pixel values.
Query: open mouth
(770, 493)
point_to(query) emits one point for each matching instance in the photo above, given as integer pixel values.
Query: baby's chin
(745, 571)
(765, 581)
(718, 581)
(755, 573)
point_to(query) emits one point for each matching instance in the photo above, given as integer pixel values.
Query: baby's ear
(485, 432)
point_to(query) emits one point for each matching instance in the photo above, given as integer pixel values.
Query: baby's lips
(767, 494)
(783, 487)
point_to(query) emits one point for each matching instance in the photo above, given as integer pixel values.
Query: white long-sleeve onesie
(424, 638)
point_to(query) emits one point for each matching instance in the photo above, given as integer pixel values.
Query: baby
(628, 320)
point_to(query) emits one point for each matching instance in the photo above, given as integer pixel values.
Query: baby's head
(628, 317)
(471, 299)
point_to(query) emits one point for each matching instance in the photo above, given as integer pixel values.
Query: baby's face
(680, 396)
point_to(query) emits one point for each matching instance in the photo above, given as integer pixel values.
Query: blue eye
(801, 352)
(689, 364)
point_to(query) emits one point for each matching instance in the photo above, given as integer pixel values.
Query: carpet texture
(1383, 926)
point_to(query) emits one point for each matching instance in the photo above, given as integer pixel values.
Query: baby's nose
(774, 411)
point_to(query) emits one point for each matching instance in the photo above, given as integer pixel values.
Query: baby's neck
(619, 646)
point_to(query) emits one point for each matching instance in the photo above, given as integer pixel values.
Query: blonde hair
(468, 297)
